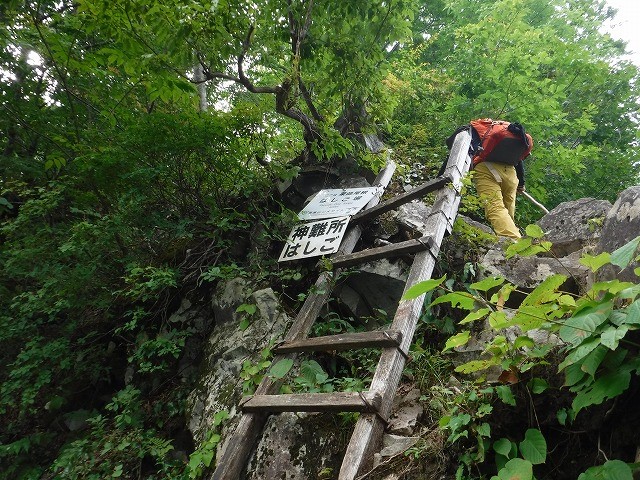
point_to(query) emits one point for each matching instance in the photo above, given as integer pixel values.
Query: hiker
(498, 148)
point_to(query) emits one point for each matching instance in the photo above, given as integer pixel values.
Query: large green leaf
(529, 317)
(604, 388)
(538, 385)
(534, 446)
(581, 326)
(506, 395)
(631, 293)
(611, 470)
(487, 284)
(594, 263)
(633, 313)
(457, 340)
(312, 372)
(612, 335)
(499, 320)
(473, 316)
(475, 366)
(612, 286)
(546, 291)
(534, 231)
(526, 248)
(622, 256)
(281, 368)
(573, 374)
(581, 351)
(462, 300)
(515, 469)
(592, 362)
(502, 446)
(423, 287)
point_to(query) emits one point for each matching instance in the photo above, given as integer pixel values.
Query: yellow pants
(498, 197)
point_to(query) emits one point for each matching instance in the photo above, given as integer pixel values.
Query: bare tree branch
(282, 92)
(307, 99)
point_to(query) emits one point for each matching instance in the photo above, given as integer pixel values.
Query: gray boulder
(412, 217)
(294, 446)
(621, 226)
(220, 387)
(575, 224)
(297, 446)
(407, 410)
(312, 178)
(472, 223)
(188, 316)
(374, 286)
(529, 272)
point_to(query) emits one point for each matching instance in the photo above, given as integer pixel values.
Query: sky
(626, 25)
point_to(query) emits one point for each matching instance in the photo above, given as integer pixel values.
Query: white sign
(337, 202)
(314, 239)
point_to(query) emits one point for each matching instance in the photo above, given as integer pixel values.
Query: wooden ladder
(374, 404)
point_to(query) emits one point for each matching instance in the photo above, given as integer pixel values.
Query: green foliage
(597, 361)
(203, 456)
(223, 272)
(247, 310)
(534, 447)
(515, 468)
(280, 369)
(421, 288)
(32, 375)
(116, 444)
(332, 324)
(159, 353)
(145, 283)
(312, 378)
(545, 65)
(466, 415)
(612, 469)
(253, 372)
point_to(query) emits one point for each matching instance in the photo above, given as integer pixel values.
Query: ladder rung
(393, 203)
(395, 249)
(344, 341)
(313, 402)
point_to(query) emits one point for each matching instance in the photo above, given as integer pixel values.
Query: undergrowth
(542, 394)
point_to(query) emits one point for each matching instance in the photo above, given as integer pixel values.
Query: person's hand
(520, 189)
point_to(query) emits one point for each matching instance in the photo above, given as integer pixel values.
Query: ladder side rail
(241, 443)
(369, 428)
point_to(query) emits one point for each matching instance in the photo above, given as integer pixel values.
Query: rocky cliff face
(308, 446)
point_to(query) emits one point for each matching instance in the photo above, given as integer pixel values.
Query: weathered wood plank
(345, 341)
(313, 402)
(393, 203)
(239, 446)
(369, 428)
(393, 250)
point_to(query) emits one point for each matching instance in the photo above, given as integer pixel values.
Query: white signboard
(314, 239)
(337, 202)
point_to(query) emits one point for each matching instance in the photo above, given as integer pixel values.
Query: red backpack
(500, 141)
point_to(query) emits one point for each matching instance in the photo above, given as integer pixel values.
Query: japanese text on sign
(337, 202)
(314, 239)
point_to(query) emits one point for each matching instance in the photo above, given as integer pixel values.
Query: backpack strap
(493, 171)
(518, 129)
